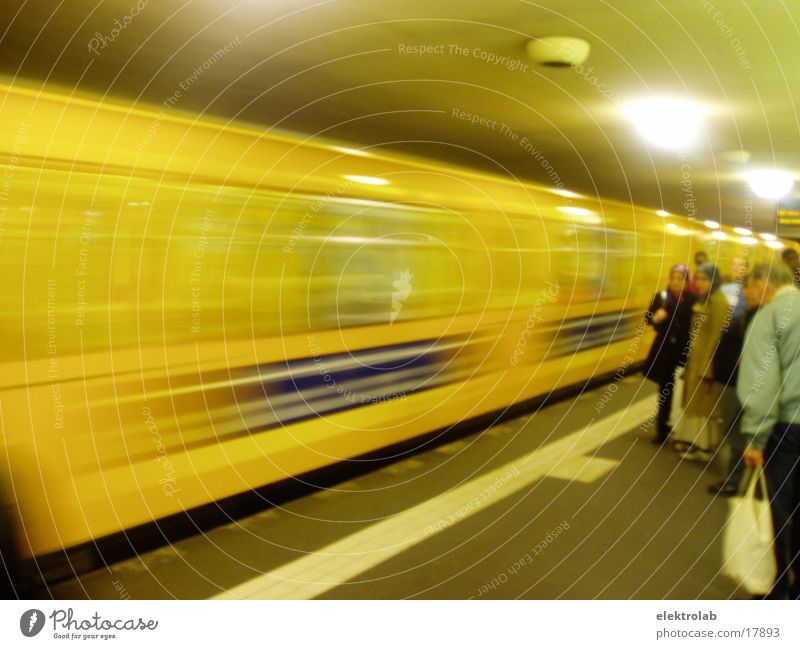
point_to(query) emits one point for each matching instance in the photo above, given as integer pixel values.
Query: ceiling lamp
(368, 180)
(770, 183)
(566, 193)
(350, 151)
(668, 123)
(558, 51)
(577, 211)
(711, 224)
(742, 231)
(582, 215)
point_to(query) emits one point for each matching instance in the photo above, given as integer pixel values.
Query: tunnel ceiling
(343, 69)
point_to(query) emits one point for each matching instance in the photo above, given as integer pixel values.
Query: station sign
(788, 216)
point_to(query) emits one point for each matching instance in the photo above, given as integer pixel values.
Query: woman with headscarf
(670, 314)
(696, 433)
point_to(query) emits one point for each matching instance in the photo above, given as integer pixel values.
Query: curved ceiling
(451, 80)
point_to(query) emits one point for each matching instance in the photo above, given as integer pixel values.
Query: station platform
(569, 502)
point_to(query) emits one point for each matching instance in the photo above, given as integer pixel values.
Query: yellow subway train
(194, 309)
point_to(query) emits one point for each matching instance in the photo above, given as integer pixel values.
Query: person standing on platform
(670, 314)
(791, 259)
(769, 391)
(696, 432)
(700, 258)
(733, 289)
(726, 368)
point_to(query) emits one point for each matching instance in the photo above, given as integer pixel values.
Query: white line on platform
(315, 573)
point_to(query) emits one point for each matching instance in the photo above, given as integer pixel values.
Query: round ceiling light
(668, 123)
(770, 183)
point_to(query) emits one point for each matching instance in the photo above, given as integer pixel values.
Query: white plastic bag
(677, 399)
(748, 539)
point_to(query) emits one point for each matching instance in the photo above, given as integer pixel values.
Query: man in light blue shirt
(733, 289)
(768, 388)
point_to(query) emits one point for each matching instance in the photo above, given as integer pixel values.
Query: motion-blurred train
(193, 309)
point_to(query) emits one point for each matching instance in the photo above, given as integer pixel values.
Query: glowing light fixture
(748, 241)
(668, 123)
(770, 183)
(566, 193)
(577, 211)
(777, 245)
(719, 234)
(711, 224)
(671, 226)
(766, 236)
(663, 213)
(368, 180)
(349, 151)
(582, 215)
(743, 231)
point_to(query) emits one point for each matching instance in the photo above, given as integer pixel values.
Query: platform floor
(572, 501)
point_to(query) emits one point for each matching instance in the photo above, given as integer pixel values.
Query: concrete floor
(567, 502)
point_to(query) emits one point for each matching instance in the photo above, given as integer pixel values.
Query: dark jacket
(729, 350)
(671, 345)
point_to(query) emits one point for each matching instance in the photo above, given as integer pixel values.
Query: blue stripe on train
(325, 384)
(329, 383)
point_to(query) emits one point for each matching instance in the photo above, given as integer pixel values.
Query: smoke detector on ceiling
(558, 51)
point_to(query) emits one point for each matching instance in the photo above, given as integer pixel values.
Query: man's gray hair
(776, 274)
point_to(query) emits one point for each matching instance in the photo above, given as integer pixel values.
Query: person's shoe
(704, 456)
(696, 455)
(662, 436)
(722, 489)
(680, 447)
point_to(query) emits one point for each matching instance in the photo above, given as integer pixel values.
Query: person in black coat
(670, 314)
(726, 369)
